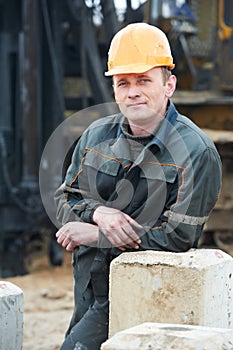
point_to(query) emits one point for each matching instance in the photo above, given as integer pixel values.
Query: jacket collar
(163, 132)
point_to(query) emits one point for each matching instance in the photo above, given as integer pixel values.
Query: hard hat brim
(133, 69)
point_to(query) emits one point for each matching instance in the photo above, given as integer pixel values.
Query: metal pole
(29, 93)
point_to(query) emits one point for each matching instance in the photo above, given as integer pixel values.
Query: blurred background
(53, 56)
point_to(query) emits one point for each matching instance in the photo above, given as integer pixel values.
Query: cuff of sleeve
(88, 214)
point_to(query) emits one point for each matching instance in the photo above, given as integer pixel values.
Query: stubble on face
(142, 99)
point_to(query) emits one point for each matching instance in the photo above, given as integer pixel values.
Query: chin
(140, 116)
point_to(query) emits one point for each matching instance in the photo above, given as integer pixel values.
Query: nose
(133, 91)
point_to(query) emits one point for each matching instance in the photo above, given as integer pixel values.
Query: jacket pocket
(102, 173)
(162, 172)
(102, 162)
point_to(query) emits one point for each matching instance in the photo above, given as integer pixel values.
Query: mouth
(136, 104)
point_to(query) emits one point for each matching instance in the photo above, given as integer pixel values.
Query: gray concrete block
(11, 316)
(159, 336)
(194, 288)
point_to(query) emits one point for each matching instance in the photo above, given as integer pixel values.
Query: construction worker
(146, 178)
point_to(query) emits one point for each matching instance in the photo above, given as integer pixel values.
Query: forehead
(152, 73)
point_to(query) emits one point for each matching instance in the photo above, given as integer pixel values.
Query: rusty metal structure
(52, 59)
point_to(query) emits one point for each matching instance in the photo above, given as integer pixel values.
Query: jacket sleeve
(188, 207)
(73, 201)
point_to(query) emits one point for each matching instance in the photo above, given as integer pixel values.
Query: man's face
(142, 98)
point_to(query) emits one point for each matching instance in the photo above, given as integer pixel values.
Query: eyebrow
(143, 76)
(137, 77)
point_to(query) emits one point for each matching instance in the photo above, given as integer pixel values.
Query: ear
(115, 93)
(170, 86)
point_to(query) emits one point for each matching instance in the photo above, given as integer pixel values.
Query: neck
(145, 129)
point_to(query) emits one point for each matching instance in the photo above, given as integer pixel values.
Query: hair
(166, 73)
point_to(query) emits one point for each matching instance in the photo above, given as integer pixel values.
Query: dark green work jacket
(170, 188)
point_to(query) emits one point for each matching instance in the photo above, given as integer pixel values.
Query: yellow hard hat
(137, 48)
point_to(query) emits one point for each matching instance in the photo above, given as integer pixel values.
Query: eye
(121, 83)
(144, 80)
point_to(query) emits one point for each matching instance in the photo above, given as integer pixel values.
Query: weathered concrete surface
(11, 316)
(159, 336)
(194, 287)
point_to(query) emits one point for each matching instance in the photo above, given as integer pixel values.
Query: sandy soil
(48, 299)
(48, 303)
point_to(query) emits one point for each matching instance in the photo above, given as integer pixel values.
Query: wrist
(94, 214)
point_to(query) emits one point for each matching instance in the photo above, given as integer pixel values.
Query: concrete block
(159, 336)
(11, 316)
(193, 287)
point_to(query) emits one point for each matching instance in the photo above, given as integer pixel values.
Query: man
(146, 178)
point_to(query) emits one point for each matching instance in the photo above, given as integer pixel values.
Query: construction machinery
(201, 35)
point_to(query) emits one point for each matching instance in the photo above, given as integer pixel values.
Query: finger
(126, 246)
(71, 246)
(61, 238)
(122, 248)
(131, 234)
(126, 240)
(131, 245)
(65, 242)
(58, 233)
(133, 222)
(115, 236)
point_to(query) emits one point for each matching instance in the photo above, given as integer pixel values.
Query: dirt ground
(48, 303)
(48, 299)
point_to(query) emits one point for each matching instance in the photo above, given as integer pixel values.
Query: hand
(117, 227)
(75, 233)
